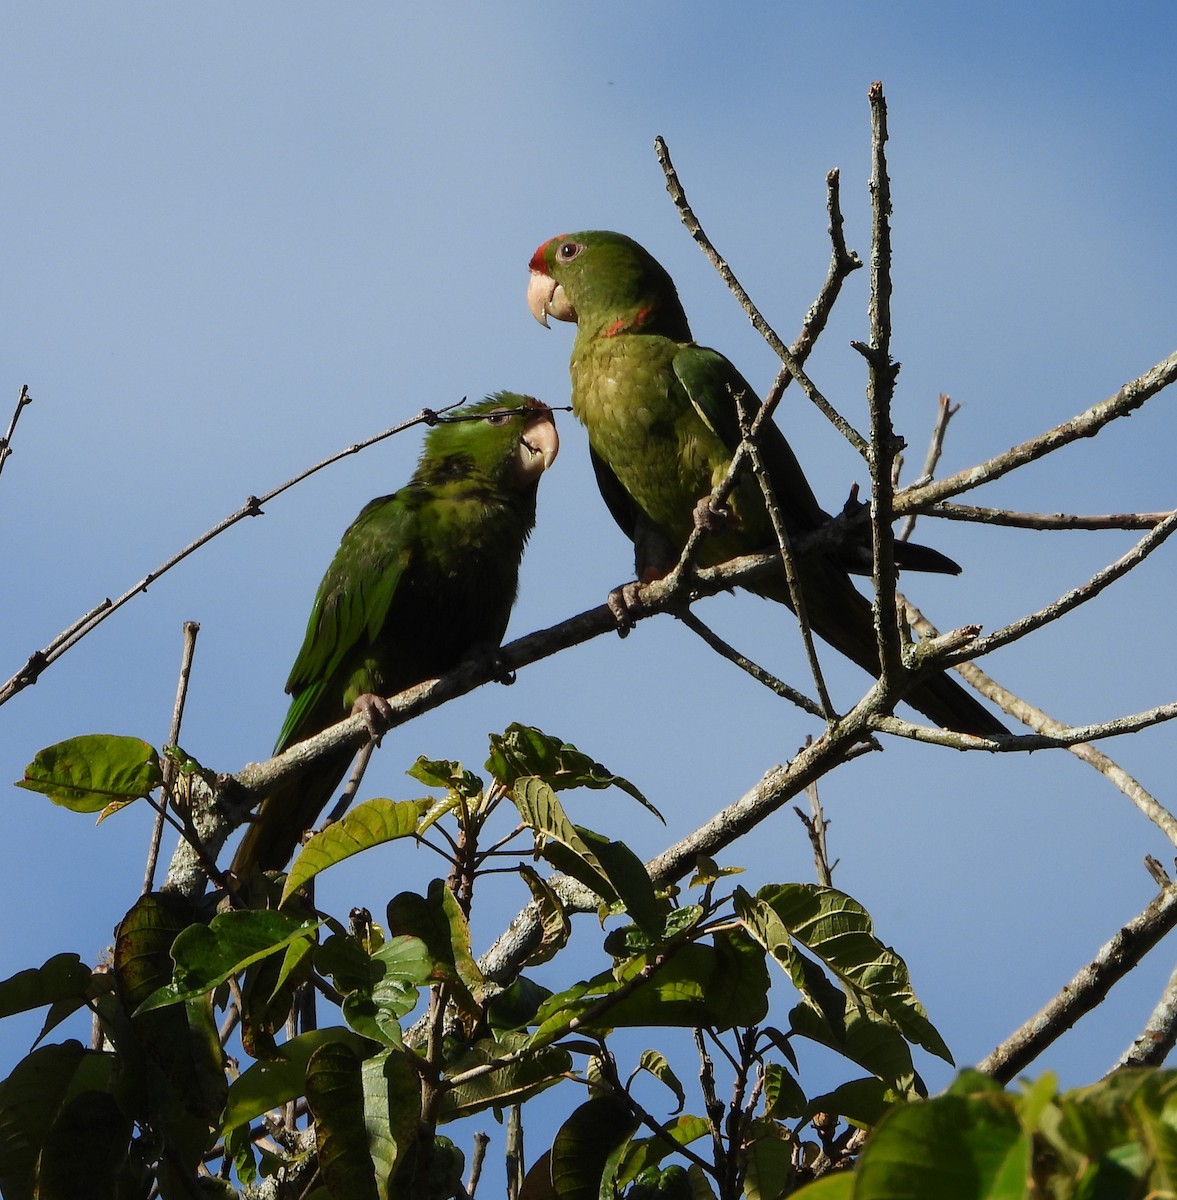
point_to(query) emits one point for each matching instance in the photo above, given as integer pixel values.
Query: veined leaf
(87, 773)
(369, 824)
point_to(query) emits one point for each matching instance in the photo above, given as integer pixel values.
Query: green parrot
(422, 580)
(662, 424)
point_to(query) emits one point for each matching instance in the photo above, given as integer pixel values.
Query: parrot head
(606, 283)
(506, 439)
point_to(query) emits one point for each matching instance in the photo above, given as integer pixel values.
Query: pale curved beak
(540, 443)
(546, 298)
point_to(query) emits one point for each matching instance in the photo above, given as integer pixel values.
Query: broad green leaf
(783, 1095)
(861, 1101)
(270, 1084)
(335, 1094)
(515, 1007)
(839, 931)
(553, 918)
(657, 1065)
(35, 1092)
(837, 1186)
(87, 773)
(179, 1043)
(392, 1111)
(628, 877)
(557, 838)
(966, 1148)
(443, 1180)
(85, 1149)
(206, 955)
(372, 823)
(399, 969)
(510, 1084)
(62, 978)
(439, 922)
(444, 773)
(522, 750)
(644, 1153)
(768, 1150)
(584, 1149)
(866, 1039)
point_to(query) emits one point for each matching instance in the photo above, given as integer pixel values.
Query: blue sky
(240, 237)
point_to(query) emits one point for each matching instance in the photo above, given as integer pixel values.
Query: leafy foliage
(423, 1040)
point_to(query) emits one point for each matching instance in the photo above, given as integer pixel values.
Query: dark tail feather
(841, 615)
(909, 556)
(275, 833)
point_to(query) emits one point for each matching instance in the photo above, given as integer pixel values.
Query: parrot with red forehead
(422, 579)
(663, 424)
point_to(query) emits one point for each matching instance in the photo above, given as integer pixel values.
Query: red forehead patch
(538, 262)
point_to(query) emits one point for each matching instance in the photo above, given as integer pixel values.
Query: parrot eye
(499, 418)
(568, 251)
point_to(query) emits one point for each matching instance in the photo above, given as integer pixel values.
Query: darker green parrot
(662, 423)
(422, 579)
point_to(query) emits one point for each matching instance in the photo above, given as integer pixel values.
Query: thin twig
(1126, 401)
(788, 561)
(1075, 597)
(68, 638)
(1045, 521)
(695, 229)
(22, 402)
(1041, 722)
(770, 681)
(945, 411)
(191, 629)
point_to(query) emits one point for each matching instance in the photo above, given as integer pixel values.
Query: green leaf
(398, 969)
(585, 1149)
(839, 931)
(969, 1148)
(335, 1094)
(866, 1039)
(643, 1153)
(86, 774)
(35, 1092)
(444, 773)
(783, 1095)
(439, 922)
(861, 1101)
(272, 1083)
(206, 955)
(524, 750)
(63, 980)
(392, 1111)
(509, 1084)
(85, 1149)
(557, 838)
(768, 1151)
(657, 1065)
(372, 823)
(553, 918)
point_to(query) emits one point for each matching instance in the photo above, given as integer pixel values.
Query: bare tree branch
(22, 402)
(69, 637)
(1086, 990)
(687, 215)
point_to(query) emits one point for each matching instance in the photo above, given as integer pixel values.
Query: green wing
(351, 607)
(713, 386)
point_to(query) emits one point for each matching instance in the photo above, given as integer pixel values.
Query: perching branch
(69, 637)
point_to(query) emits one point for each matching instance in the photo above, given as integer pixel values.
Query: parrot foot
(708, 519)
(625, 604)
(377, 714)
